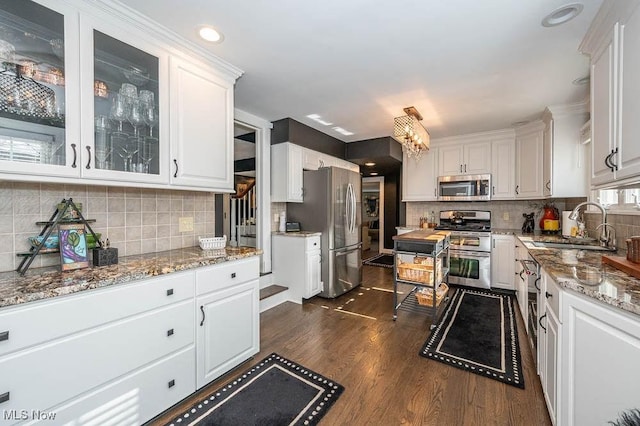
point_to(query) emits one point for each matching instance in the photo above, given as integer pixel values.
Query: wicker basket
(419, 273)
(212, 243)
(425, 295)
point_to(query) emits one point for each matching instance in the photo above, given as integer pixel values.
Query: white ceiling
(466, 65)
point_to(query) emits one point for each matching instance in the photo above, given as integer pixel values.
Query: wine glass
(127, 151)
(135, 116)
(150, 117)
(119, 109)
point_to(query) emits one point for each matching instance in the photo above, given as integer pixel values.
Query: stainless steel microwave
(464, 188)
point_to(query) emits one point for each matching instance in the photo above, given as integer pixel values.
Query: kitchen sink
(568, 246)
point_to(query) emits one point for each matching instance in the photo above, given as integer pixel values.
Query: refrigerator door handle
(352, 202)
(344, 252)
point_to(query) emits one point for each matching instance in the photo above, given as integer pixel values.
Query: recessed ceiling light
(581, 81)
(373, 174)
(318, 119)
(210, 34)
(370, 163)
(562, 14)
(342, 131)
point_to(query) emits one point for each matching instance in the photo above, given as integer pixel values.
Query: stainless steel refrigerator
(332, 205)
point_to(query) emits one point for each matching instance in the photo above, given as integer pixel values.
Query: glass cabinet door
(32, 88)
(126, 107)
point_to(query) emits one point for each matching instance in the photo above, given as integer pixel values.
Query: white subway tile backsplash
(135, 220)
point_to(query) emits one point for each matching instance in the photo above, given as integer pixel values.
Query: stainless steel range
(470, 246)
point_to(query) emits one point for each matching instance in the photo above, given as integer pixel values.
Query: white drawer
(135, 398)
(313, 243)
(227, 274)
(42, 321)
(47, 375)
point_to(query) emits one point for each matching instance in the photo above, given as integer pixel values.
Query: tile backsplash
(135, 220)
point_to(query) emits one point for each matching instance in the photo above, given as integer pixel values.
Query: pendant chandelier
(409, 132)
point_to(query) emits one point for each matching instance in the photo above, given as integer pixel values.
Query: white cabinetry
(228, 320)
(549, 330)
(286, 173)
(520, 279)
(529, 147)
(565, 169)
(420, 177)
(614, 46)
(502, 265)
(297, 264)
(201, 127)
(468, 159)
(599, 358)
(503, 170)
(127, 333)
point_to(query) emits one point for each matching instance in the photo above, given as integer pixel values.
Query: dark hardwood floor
(354, 340)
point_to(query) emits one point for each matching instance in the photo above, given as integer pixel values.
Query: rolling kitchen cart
(421, 260)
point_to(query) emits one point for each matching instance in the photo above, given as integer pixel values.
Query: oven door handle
(467, 253)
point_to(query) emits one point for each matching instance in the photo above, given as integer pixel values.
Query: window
(627, 199)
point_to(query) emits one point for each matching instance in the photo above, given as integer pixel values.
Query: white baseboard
(275, 300)
(266, 280)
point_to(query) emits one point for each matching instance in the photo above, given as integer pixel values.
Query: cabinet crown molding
(569, 109)
(474, 137)
(610, 13)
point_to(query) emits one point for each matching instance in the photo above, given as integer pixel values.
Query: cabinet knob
(547, 295)
(170, 332)
(4, 336)
(4, 397)
(171, 383)
(233, 275)
(170, 292)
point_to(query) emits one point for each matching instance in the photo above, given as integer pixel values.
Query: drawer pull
(202, 310)
(4, 397)
(233, 275)
(4, 336)
(172, 383)
(170, 332)
(547, 294)
(170, 292)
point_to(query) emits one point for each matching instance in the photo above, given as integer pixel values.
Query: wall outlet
(505, 215)
(185, 224)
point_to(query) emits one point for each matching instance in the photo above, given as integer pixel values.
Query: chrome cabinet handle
(4, 336)
(202, 310)
(175, 161)
(4, 397)
(75, 155)
(89, 160)
(540, 322)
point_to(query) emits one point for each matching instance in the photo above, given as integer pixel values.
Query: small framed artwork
(73, 246)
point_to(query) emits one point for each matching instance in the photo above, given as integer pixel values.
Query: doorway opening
(372, 216)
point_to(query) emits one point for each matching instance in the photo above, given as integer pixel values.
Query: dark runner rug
(477, 332)
(382, 260)
(275, 391)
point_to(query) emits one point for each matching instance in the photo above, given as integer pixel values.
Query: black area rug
(477, 332)
(275, 391)
(382, 260)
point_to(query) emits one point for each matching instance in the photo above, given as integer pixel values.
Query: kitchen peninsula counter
(582, 271)
(44, 283)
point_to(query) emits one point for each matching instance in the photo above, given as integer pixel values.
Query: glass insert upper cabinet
(127, 97)
(38, 57)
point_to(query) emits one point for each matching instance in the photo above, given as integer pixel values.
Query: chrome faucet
(605, 235)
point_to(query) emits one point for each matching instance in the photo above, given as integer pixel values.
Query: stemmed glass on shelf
(150, 118)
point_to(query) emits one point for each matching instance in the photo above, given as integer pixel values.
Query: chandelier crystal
(409, 132)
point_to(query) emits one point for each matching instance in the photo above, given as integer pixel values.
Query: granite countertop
(582, 271)
(422, 234)
(297, 234)
(44, 283)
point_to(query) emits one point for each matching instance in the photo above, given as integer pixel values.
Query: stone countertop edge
(300, 234)
(617, 289)
(45, 283)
